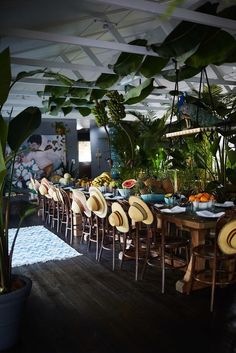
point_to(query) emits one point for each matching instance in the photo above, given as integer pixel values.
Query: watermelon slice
(128, 184)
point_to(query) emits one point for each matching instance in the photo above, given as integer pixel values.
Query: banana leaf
(232, 157)
(215, 146)
(22, 126)
(5, 70)
(79, 92)
(231, 175)
(214, 49)
(66, 110)
(184, 73)
(84, 111)
(24, 74)
(129, 62)
(97, 94)
(152, 66)
(59, 77)
(137, 94)
(106, 80)
(56, 91)
(186, 36)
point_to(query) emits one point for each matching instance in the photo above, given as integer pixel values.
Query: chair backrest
(227, 217)
(226, 233)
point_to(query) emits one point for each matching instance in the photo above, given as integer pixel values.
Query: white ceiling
(81, 38)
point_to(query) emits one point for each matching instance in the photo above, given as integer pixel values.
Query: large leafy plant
(13, 132)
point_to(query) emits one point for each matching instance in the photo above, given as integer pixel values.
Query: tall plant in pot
(13, 132)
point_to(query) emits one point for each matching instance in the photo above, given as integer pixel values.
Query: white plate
(225, 204)
(174, 210)
(208, 214)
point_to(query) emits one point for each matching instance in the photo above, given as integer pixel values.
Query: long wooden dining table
(198, 227)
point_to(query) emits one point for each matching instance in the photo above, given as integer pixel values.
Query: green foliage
(139, 93)
(13, 133)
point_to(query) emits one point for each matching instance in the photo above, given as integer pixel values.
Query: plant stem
(130, 141)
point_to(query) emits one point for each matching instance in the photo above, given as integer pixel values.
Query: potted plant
(13, 289)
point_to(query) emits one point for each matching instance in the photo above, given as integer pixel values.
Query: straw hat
(96, 202)
(80, 199)
(227, 238)
(139, 211)
(118, 218)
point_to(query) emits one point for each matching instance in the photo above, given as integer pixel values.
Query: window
(84, 151)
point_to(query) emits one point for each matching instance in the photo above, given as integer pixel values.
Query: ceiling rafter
(178, 13)
(73, 40)
(98, 69)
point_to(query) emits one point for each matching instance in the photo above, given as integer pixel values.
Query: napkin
(108, 194)
(225, 204)
(176, 209)
(114, 198)
(209, 214)
(158, 205)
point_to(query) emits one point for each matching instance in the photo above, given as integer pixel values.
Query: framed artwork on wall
(40, 156)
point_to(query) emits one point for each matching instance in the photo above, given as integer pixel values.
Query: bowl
(125, 193)
(152, 197)
(169, 201)
(204, 205)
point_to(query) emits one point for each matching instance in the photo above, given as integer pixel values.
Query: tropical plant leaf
(24, 74)
(5, 69)
(233, 140)
(186, 36)
(215, 146)
(152, 66)
(59, 102)
(106, 80)
(66, 110)
(199, 160)
(22, 126)
(79, 92)
(97, 94)
(137, 94)
(56, 91)
(213, 50)
(232, 157)
(228, 12)
(3, 169)
(3, 132)
(54, 110)
(129, 62)
(82, 103)
(59, 77)
(231, 175)
(84, 111)
(184, 73)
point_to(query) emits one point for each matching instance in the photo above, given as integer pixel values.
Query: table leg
(197, 238)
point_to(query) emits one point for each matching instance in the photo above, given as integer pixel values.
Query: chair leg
(213, 285)
(113, 249)
(136, 254)
(162, 265)
(123, 249)
(146, 257)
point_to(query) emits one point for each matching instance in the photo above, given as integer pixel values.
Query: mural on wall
(40, 156)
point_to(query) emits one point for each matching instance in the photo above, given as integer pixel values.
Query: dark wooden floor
(78, 305)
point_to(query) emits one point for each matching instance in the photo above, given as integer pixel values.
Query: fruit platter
(202, 200)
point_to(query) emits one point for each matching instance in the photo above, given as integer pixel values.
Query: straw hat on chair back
(227, 238)
(96, 202)
(139, 210)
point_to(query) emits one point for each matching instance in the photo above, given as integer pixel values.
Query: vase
(11, 312)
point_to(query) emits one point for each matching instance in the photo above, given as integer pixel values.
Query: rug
(38, 244)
